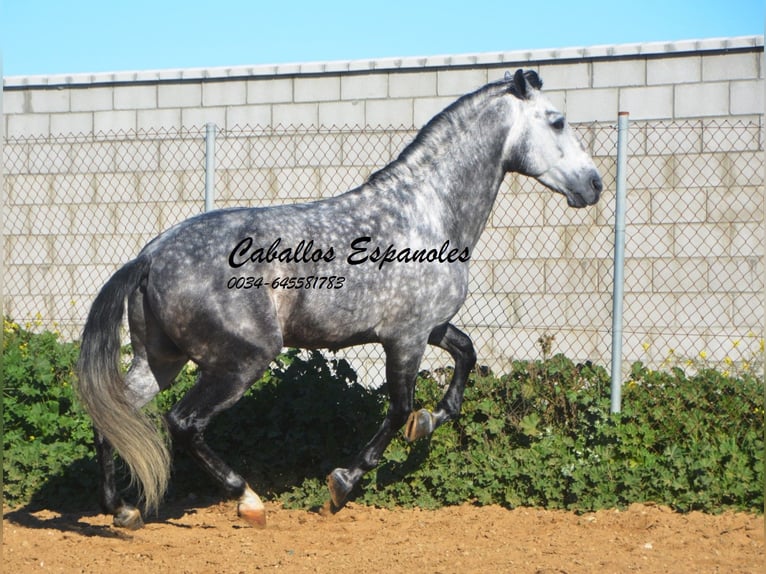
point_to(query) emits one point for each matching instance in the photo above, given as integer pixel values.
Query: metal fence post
(619, 262)
(210, 131)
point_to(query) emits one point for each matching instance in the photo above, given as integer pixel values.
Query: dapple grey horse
(386, 262)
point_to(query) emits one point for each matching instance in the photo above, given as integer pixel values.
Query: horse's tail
(102, 391)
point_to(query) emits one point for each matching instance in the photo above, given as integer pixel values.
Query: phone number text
(310, 282)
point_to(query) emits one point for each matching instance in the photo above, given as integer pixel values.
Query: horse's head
(543, 145)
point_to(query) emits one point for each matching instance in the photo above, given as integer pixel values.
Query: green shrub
(696, 441)
(44, 432)
(540, 435)
(543, 436)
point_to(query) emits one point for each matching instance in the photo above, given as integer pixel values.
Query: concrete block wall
(689, 79)
(695, 198)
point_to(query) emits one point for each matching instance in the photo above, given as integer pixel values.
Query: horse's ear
(520, 83)
(507, 76)
(533, 79)
(523, 82)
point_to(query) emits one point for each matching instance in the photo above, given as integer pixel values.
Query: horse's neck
(469, 194)
(450, 175)
(463, 181)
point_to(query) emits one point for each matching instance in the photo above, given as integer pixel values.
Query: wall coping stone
(519, 57)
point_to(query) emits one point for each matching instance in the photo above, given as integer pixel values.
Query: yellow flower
(735, 343)
(727, 359)
(703, 355)
(9, 326)
(646, 346)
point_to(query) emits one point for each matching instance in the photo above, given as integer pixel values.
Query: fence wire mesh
(77, 207)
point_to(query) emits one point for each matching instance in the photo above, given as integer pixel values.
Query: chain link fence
(77, 207)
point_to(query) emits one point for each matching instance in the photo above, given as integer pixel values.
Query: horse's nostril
(597, 184)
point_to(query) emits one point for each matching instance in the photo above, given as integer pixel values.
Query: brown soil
(210, 539)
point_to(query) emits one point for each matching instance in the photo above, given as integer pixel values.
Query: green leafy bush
(541, 435)
(696, 442)
(43, 430)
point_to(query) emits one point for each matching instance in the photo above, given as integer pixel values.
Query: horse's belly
(324, 320)
(338, 318)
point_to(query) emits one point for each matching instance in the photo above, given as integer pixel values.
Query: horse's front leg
(401, 371)
(459, 345)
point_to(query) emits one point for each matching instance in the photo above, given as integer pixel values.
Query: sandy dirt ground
(211, 539)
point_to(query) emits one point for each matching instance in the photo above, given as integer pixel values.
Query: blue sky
(80, 36)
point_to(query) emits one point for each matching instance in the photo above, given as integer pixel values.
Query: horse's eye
(558, 124)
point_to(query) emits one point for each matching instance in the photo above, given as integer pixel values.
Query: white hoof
(251, 509)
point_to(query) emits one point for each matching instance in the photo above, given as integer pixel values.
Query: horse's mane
(429, 141)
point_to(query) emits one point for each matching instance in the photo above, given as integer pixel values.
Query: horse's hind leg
(458, 344)
(218, 388)
(155, 365)
(187, 422)
(124, 515)
(142, 384)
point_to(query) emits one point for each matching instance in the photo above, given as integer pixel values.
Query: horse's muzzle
(589, 193)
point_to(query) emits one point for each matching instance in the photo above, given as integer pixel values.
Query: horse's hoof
(253, 516)
(340, 486)
(328, 509)
(251, 509)
(128, 517)
(419, 424)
